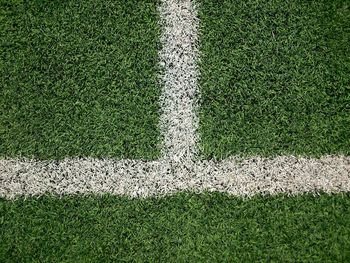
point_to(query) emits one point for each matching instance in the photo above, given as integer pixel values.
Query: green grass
(79, 78)
(275, 77)
(181, 228)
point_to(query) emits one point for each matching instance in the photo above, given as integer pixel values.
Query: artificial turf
(181, 228)
(275, 77)
(79, 78)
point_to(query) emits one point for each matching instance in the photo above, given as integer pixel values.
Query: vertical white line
(178, 121)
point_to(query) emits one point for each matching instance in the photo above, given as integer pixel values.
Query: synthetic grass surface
(181, 228)
(79, 78)
(275, 77)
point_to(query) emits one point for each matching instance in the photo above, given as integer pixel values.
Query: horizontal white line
(239, 177)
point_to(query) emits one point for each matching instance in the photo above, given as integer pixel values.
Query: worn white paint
(178, 169)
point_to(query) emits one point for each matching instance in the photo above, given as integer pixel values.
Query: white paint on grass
(177, 170)
(244, 177)
(178, 121)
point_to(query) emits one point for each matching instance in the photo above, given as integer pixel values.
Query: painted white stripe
(177, 170)
(178, 101)
(245, 177)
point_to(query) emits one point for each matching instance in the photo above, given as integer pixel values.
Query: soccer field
(109, 109)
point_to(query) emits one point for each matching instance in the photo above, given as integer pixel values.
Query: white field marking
(246, 177)
(177, 170)
(178, 120)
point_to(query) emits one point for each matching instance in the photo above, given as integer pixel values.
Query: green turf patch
(275, 77)
(181, 228)
(79, 78)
